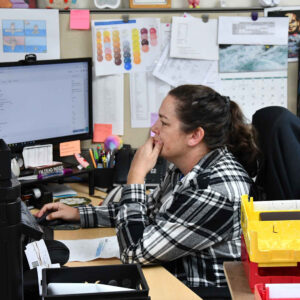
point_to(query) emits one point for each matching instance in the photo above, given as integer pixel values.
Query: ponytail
(242, 140)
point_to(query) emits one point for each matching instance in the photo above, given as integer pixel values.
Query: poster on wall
(293, 13)
(24, 31)
(124, 47)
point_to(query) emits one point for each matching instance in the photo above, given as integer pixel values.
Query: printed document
(192, 38)
(108, 102)
(177, 71)
(90, 249)
(245, 31)
(146, 95)
(124, 47)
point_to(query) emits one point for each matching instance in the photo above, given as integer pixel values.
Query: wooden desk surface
(162, 284)
(237, 281)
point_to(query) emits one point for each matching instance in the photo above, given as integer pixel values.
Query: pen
(96, 157)
(92, 158)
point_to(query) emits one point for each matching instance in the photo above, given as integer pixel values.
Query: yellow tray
(271, 243)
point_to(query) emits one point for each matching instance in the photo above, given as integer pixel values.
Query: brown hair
(222, 120)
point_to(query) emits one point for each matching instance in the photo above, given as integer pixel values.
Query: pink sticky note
(101, 132)
(154, 118)
(69, 148)
(80, 19)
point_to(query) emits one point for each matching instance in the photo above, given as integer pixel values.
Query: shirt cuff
(86, 214)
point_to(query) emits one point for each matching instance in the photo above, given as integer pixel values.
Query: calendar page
(255, 90)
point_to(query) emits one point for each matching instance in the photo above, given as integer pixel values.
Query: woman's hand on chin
(144, 160)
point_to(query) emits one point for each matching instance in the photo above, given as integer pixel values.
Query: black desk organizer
(127, 275)
(27, 185)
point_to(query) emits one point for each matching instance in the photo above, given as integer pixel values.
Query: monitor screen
(45, 101)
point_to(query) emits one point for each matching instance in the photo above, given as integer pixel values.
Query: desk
(162, 284)
(237, 281)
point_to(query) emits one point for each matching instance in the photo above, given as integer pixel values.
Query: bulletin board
(78, 43)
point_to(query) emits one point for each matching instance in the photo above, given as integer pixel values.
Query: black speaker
(123, 160)
(5, 170)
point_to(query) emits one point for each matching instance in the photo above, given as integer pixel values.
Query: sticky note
(80, 19)
(101, 132)
(154, 118)
(69, 148)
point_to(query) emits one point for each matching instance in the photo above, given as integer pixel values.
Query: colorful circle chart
(153, 37)
(144, 39)
(136, 49)
(126, 50)
(107, 45)
(99, 47)
(116, 47)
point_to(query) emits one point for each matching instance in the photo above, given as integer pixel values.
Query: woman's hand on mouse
(60, 211)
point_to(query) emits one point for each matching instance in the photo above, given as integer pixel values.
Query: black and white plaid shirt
(191, 225)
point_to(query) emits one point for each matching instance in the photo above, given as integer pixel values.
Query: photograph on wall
(252, 58)
(293, 13)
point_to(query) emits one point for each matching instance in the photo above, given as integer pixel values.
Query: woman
(191, 223)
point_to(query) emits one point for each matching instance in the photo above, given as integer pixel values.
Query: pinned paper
(80, 19)
(69, 148)
(39, 155)
(101, 132)
(154, 118)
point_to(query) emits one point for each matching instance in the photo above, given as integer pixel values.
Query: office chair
(279, 140)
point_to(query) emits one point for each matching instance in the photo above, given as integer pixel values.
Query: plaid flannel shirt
(191, 225)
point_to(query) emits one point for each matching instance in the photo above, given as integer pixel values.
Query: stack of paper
(60, 190)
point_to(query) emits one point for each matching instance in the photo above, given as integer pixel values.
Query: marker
(57, 173)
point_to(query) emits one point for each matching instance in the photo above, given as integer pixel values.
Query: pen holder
(104, 178)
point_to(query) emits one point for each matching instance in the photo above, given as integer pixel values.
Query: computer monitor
(46, 101)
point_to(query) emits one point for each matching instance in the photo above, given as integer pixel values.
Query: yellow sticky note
(80, 19)
(69, 148)
(101, 132)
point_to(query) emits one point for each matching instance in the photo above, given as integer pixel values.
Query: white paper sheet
(108, 102)
(245, 31)
(177, 71)
(255, 90)
(284, 290)
(120, 47)
(146, 95)
(276, 205)
(192, 38)
(24, 31)
(86, 250)
(67, 288)
(39, 155)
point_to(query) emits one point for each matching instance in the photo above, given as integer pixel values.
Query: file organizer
(270, 241)
(127, 275)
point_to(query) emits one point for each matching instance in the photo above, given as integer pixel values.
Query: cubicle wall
(77, 43)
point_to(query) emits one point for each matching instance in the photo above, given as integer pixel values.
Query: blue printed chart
(120, 47)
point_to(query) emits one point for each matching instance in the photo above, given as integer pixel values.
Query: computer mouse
(44, 222)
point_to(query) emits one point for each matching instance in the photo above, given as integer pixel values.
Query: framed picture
(150, 4)
(293, 13)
